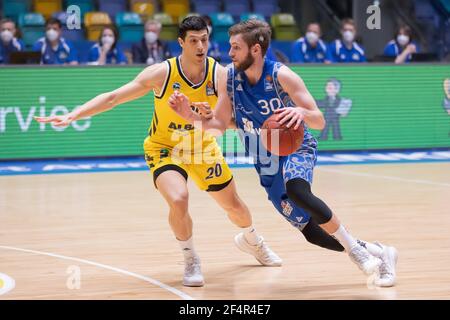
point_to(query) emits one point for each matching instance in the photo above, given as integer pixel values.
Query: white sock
(251, 236)
(345, 238)
(372, 248)
(187, 247)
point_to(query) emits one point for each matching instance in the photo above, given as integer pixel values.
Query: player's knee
(299, 191)
(179, 202)
(234, 206)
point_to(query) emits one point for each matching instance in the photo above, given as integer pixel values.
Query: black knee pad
(316, 235)
(299, 191)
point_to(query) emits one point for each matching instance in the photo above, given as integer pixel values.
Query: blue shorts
(297, 165)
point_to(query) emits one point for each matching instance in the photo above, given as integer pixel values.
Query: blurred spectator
(346, 50)
(310, 48)
(54, 48)
(213, 46)
(150, 49)
(402, 47)
(105, 51)
(8, 41)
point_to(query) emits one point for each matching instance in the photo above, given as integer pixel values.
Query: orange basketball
(279, 139)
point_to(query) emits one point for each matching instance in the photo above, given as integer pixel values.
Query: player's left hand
(180, 104)
(204, 109)
(292, 115)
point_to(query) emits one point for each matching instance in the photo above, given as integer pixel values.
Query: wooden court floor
(106, 236)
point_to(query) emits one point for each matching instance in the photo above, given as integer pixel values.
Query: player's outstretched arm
(306, 110)
(222, 114)
(150, 78)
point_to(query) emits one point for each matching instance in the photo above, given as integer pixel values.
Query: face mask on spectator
(6, 35)
(402, 40)
(209, 30)
(151, 37)
(312, 37)
(107, 40)
(348, 36)
(52, 34)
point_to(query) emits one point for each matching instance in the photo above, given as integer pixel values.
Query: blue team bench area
(281, 49)
(50, 166)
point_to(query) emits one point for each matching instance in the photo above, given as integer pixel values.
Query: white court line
(386, 177)
(104, 266)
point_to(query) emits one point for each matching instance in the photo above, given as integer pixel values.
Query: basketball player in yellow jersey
(174, 150)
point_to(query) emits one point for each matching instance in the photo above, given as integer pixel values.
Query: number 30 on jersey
(267, 107)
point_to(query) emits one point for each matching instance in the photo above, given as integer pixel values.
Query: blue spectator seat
(32, 26)
(251, 15)
(207, 6)
(266, 7)
(237, 7)
(112, 7)
(130, 26)
(221, 22)
(12, 9)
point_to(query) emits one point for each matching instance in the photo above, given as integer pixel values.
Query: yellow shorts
(208, 169)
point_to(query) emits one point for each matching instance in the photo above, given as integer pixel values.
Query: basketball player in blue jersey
(256, 88)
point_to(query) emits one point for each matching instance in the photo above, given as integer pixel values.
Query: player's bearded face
(246, 63)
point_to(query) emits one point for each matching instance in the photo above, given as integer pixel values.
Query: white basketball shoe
(364, 260)
(192, 272)
(260, 251)
(386, 274)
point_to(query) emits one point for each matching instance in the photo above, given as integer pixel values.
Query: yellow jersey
(167, 128)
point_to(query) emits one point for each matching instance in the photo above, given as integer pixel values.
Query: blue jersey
(302, 51)
(393, 49)
(64, 52)
(338, 52)
(14, 45)
(252, 105)
(115, 56)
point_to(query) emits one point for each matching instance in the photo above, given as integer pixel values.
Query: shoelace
(360, 256)
(384, 269)
(192, 266)
(262, 247)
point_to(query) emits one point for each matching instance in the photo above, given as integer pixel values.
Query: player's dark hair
(253, 32)
(207, 19)
(191, 23)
